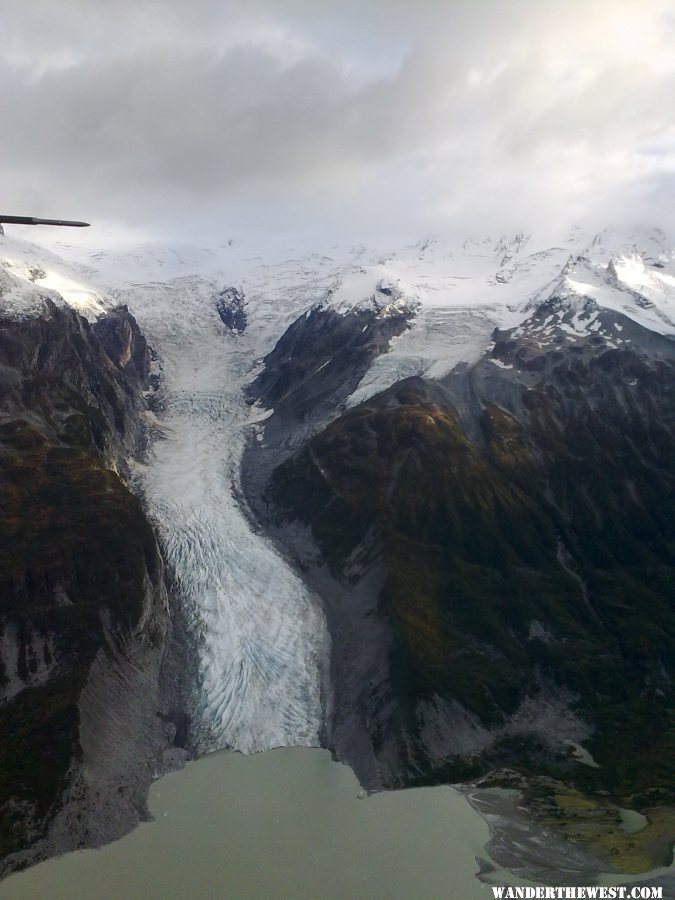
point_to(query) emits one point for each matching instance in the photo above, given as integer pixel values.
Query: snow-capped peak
(625, 279)
(30, 275)
(367, 287)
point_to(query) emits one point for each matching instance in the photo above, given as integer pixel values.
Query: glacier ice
(261, 634)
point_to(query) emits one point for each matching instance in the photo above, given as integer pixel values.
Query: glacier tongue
(261, 634)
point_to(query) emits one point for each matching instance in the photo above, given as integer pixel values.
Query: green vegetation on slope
(561, 518)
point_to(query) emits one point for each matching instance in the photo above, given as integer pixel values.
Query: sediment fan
(31, 220)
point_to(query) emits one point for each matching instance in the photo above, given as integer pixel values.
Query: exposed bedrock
(308, 377)
(88, 701)
(318, 362)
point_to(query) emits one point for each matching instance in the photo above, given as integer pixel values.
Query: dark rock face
(231, 306)
(124, 345)
(495, 553)
(84, 617)
(314, 367)
(320, 360)
(78, 383)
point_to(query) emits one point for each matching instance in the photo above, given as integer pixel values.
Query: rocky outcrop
(231, 306)
(318, 362)
(87, 698)
(76, 382)
(308, 376)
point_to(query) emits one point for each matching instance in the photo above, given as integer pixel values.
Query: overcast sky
(210, 119)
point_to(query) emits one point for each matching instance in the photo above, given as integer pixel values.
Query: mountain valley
(415, 507)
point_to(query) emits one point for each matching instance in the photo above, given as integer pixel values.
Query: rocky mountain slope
(494, 545)
(509, 513)
(84, 616)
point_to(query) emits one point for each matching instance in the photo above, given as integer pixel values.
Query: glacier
(261, 634)
(262, 642)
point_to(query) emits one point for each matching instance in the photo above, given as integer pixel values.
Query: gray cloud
(347, 119)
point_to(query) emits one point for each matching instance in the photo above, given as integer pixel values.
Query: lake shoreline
(293, 823)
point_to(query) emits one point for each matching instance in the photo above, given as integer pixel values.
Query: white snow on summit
(464, 292)
(634, 276)
(31, 273)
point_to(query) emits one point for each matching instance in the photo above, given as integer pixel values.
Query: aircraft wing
(31, 220)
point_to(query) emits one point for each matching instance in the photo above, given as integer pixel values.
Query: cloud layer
(345, 119)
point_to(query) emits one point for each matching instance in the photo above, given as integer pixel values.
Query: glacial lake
(288, 824)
